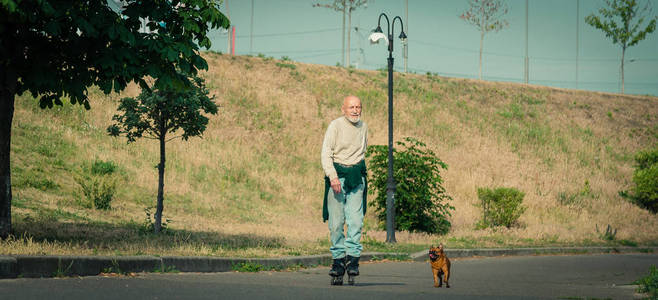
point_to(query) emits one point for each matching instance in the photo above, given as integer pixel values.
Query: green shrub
(99, 190)
(286, 65)
(98, 183)
(645, 177)
(646, 188)
(421, 202)
(99, 167)
(646, 159)
(500, 207)
(649, 283)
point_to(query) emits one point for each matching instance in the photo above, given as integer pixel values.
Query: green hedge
(500, 206)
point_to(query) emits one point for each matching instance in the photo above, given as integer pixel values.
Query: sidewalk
(50, 266)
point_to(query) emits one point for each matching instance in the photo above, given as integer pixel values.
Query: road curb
(224, 264)
(7, 267)
(51, 266)
(458, 253)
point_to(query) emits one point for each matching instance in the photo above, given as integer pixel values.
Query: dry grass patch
(252, 185)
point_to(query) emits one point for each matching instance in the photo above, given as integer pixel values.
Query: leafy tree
(158, 113)
(55, 50)
(347, 7)
(421, 201)
(622, 22)
(486, 16)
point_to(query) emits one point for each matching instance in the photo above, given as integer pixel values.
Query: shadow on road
(378, 284)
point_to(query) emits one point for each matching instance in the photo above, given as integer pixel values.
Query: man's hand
(335, 185)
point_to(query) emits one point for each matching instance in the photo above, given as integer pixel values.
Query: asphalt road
(528, 277)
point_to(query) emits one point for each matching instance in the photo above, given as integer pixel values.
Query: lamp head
(403, 36)
(376, 36)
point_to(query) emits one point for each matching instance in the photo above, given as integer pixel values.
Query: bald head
(352, 108)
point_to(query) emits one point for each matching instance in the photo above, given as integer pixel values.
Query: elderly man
(343, 152)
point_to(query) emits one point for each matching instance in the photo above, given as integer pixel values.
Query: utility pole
(349, 32)
(228, 31)
(251, 33)
(405, 52)
(362, 57)
(527, 62)
(343, 39)
(341, 6)
(232, 40)
(577, 37)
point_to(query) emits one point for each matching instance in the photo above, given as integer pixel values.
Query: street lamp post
(377, 35)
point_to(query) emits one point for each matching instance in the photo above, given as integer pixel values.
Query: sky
(563, 50)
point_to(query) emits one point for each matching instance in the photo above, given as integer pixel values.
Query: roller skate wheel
(336, 281)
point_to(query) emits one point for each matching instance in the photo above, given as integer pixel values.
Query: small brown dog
(440, 265)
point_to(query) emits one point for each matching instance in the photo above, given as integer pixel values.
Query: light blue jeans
(345, 208)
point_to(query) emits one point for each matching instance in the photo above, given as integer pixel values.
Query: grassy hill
(252, 185)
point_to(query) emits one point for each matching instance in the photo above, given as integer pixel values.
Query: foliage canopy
(486, 15)
(57, 49)
(421, 201)
(156, 113)
(645, 177)
(622, 22)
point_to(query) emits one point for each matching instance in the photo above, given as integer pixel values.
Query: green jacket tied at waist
(352, 176)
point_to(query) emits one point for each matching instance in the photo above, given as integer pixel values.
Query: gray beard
(353, 120)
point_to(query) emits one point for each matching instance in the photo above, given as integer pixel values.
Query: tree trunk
(7, 91)
(481, 45)
(161, 169)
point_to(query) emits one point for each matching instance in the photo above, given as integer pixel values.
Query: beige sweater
(344, 143)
